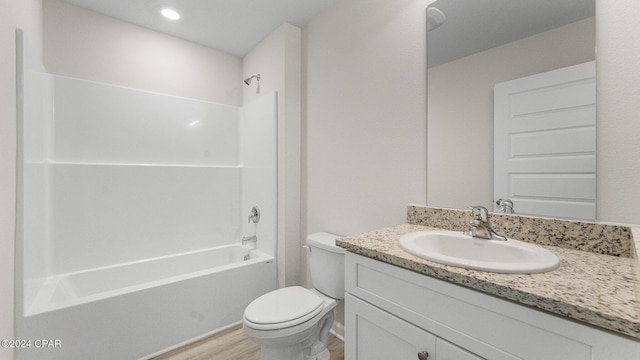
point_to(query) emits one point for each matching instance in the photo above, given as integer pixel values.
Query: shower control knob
(423, 355)
(254, 215)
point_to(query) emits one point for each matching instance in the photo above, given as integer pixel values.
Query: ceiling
(237, 26)
(233, 26)
(478, 25)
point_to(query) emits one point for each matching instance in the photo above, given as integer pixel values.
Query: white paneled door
(545, 142)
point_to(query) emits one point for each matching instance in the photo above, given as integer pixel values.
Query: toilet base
(310, 344)
(284, 353)
(292, 353)
(324, 355)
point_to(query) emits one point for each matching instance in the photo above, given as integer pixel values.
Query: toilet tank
(326, 264)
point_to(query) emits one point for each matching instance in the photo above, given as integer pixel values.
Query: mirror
(476, 45)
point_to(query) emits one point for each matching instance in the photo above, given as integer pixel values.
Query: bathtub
(104, 313)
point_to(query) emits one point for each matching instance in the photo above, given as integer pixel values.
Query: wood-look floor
(232, 344)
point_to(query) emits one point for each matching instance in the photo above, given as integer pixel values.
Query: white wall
(8, 21)
(25, 14)
(618, 151)
(365, 121)
(277, 60)
(86, 45)
(364, 124)
(460, 126)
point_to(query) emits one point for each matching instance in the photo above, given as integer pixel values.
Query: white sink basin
(461, 250)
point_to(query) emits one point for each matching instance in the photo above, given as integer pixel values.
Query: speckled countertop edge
(596, 289)
(635, 249)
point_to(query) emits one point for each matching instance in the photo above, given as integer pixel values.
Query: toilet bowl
(293, 323)
(296, 320)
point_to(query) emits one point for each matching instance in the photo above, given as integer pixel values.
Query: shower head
(248, 80)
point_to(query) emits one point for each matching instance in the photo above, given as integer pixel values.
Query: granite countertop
(596, 289)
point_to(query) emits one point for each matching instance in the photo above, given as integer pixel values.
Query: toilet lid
(292, 305)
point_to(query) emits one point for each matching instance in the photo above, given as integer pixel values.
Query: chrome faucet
(505, 206)
(250, 239)
(254, 215)
(480, 227)
(253, 240)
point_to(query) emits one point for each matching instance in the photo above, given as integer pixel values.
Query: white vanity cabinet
(448, 351)
(380, 335)
(376, 334)
(394, 314)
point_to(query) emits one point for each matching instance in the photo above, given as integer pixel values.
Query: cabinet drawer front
(377, 335)
(448, 351)
(464, 317)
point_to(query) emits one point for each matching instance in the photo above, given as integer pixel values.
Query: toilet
(293, 323)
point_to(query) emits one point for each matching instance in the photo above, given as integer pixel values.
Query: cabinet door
(373, 334)
(448, 351)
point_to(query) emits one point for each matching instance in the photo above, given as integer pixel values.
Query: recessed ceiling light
(170, 14)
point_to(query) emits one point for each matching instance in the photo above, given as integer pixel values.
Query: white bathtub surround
(99, 123)
(135, 204)
(135, 321)
(257, 154)
(79, 287)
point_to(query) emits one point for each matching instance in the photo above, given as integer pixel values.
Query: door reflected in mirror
(476, 46)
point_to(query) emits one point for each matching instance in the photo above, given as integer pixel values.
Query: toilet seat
(283, 308)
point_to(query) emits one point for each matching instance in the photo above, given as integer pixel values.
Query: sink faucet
(505, 206)
(480, 227)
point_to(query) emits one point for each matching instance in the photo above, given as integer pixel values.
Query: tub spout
(252, 240)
